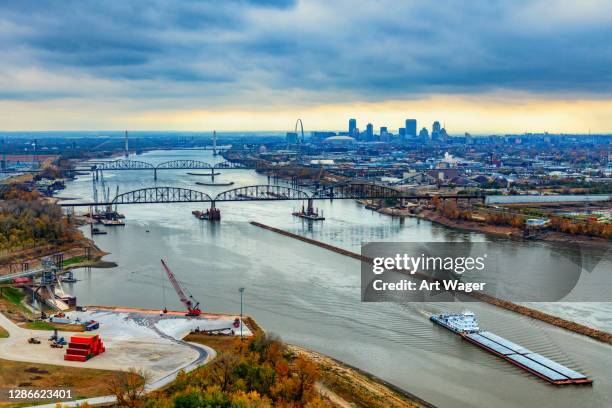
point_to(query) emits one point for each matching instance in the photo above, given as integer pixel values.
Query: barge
(466, 325)
(112, 222)
(229, 183)
(309, 213)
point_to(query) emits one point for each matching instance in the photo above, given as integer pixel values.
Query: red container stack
(83, 347)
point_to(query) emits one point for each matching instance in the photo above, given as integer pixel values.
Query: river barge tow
(466, 325)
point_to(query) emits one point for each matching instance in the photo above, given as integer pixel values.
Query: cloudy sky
(477, 66)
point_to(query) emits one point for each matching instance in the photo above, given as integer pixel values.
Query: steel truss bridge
(123, 165)
(266, 192)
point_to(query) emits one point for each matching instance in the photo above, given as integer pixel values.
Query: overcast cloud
(245, 52)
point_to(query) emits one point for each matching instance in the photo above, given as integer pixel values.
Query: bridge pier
(214, 214)
(212, 177)
(154, 174)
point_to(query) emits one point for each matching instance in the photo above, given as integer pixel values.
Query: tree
(306, 374)
(129, 387)
(223, 369)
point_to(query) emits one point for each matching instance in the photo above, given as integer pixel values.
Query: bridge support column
(212, 177)
(214, 214)
(155, 174)
(310, 209)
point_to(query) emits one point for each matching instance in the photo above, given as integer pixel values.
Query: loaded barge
(466, 325)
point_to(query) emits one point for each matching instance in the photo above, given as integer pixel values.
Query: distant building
(435, 130)
(443, 134)
(402, 134)
(291, 138)
(424, 134)
(383, 130)
(339, 140)
(411, 128)
(369, 132)
(318, 136)
(352, 127)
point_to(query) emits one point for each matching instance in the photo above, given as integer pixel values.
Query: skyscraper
(369, 132)
(411, 128)
(352, 127)
(424, 134)
(435, 130)
(383, 130)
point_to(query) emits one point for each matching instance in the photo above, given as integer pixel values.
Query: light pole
(241, 290)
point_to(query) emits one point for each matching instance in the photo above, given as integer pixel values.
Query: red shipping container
(77, 352)
(82, 346)
(80, 340)
(70, 357)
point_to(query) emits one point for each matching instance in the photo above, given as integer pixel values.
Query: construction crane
(192, 305)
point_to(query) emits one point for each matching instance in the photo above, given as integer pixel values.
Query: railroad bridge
(269, 192)
(124, 165)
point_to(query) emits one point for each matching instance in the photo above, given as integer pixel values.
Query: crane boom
(192, 309)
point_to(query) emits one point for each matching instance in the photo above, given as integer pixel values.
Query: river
(311, 297)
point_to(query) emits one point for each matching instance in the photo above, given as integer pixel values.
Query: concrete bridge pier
(154, 174)
(214, 214)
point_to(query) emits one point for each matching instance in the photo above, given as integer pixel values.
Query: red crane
(192, 305)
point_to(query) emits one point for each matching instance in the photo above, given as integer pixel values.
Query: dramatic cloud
(204, 54)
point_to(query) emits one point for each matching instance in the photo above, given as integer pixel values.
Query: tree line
(27, 220)
(257, 372)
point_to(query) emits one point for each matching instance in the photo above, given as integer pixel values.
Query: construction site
(104, 337)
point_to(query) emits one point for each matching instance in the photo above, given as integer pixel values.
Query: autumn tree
(129, 388)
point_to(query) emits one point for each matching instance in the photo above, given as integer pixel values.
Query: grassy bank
(43, 325)
(11, 304)
(75, 260)
(13, 295)
(3, 333)
(84, 382)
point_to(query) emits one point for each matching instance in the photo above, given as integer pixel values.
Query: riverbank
(486, 228)
(502, 230)
(341, 385)
(79, 253)
(596, 334)
(355, 387)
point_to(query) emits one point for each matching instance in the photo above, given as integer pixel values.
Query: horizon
(261, 132)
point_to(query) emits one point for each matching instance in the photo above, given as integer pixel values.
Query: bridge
(267, 192)
(122, 165)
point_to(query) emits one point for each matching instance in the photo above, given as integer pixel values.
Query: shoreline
(342, 378)
(496, 230)
(596, 334)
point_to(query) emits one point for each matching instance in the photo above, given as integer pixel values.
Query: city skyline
(482, 68)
